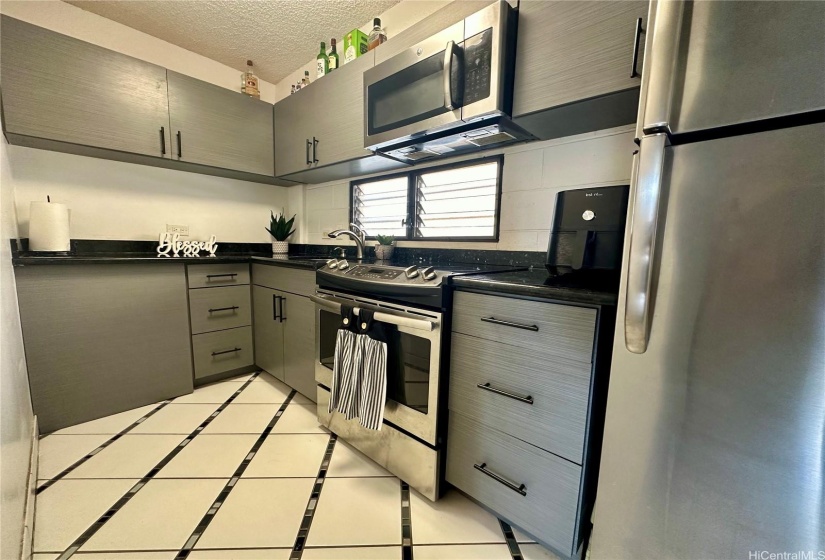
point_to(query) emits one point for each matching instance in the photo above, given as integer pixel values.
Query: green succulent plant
(385, 239)
(280, 228)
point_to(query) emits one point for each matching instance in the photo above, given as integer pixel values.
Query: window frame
(412, 176)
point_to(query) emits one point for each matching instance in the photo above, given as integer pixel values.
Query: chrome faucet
(356, 234)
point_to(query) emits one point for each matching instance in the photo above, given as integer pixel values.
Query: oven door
(416, 91)
(412, 383)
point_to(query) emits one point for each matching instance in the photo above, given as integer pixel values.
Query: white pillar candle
(49, 227)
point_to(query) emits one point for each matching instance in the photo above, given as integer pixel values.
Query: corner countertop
(293, 261)
(536, 282)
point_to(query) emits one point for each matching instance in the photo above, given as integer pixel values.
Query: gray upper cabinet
(293, 131)
(62, 89)
(573, 51)
(212, 125)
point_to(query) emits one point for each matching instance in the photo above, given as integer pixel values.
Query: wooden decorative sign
(171, 246)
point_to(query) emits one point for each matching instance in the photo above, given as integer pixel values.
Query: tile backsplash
(533, 174)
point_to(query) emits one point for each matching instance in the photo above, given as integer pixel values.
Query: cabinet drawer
(293, 280)
(558, 389)
(561, 330)
(549, 505)
(211, 275)
(221, 351)
(219, 308)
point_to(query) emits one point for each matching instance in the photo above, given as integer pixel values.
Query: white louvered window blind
(456, 202)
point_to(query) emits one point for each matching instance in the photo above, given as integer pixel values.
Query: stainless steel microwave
(446, 95)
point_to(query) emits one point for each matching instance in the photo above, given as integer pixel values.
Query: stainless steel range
(417, 300)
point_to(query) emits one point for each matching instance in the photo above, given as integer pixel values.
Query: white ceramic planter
(384, 252)
(280, 248)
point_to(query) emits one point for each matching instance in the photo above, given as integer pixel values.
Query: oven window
(408, 363)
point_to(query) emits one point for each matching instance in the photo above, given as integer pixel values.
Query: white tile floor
(357, 516)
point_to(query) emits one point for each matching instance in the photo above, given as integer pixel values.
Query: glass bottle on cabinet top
(305, 79)
(249, 82)
(377, 35)
(333, 56)
(322, 61)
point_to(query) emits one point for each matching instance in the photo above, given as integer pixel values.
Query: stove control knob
(411, 272)
(429, 274)
(343, 265)
(332, 263)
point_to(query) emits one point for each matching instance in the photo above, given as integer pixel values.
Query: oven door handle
(398, 320)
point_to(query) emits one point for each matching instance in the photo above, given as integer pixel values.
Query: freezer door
(714, 436)
(713, 64)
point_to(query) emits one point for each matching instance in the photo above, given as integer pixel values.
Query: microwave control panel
(478, 60)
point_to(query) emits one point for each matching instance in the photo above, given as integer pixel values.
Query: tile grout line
(99, 448)
(406, 523)
(190, 543)
(512, 542)
(312, 505)
(117, 506)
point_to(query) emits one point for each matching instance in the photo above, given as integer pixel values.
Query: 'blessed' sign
(171, 246)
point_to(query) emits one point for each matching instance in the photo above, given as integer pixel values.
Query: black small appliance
(588, 230)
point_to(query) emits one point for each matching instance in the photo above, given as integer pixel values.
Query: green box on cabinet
(355, 44)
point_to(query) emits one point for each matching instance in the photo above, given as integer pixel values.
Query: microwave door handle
(646, 184)
(449, 53)
(662, 64)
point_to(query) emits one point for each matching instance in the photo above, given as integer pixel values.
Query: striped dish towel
(343, 363)
(373, 382)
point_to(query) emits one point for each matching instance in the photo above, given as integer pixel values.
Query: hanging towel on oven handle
(374, 337)
(343, 362)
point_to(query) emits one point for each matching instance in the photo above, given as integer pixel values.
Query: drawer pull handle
(236, 349)
(521, 488)
(487, 387)
(233, 308)
(495, 321)
(210, 276)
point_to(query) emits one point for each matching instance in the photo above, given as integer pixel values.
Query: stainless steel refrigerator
(714, 443)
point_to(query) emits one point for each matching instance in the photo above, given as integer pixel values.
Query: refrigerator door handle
(646, 182)
(662, 63)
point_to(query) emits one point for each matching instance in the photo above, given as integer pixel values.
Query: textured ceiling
(279, 36)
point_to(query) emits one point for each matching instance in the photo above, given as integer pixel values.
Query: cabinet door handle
(487, 387)
(274, 307)
(180, 151)
(521, 488)
(233, 308)
(636, 40)
(210, 276)
(162, 141)
(495, 321)
(314, 150)
(309, 161)
(283, 315)
(236, 349)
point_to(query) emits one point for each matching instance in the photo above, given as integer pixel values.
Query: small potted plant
(280, 229)
(384, 247)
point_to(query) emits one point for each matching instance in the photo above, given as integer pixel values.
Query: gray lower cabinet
(66, 90)
(101, 339)
(269, 331)
(528, 381)
(220, 320)
(573, 51)
(212, 125)
(284, 323)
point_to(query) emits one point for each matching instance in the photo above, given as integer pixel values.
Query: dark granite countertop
(294, 261)
(594, 289)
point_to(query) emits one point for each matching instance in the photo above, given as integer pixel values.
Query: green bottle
(333, 56)
(322, 61)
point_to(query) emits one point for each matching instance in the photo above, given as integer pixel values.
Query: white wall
(15, 402)
(533, 175)
(115, 200)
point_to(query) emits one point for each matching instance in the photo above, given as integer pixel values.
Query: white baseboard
(28, 520)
